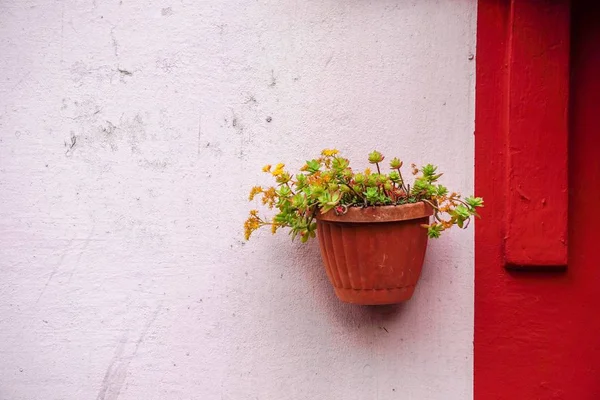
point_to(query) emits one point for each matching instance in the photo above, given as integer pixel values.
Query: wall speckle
(130, 135)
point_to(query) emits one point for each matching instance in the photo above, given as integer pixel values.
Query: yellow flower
(278, 169)
(267, 168)
(329, 152)
(367, 171)
(251, 224)
(269, 197)
(254, 191)
(315, 179)
(274, 227)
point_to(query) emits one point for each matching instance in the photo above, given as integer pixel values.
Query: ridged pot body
(374, 255)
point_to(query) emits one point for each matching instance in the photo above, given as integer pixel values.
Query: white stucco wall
(130, 133)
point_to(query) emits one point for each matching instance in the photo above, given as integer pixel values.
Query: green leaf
(375, 157)
(395, 163)
(372, 180)
(434, 230)
(313, 166)
(299, 200)
(474, 201)
(300, 181)
(372, 195)
(429, 170)
(435, 177)
(462, 211)
(340, 164)
(316, 191)
(281, 218)
(284, 191)
(394, 176)
(304, 238)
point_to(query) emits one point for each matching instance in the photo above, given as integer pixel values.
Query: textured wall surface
(130, 133)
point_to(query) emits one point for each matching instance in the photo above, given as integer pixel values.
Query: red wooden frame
(536, 330)
(522, 97)
(537, 133)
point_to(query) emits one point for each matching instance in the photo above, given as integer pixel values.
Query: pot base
(374, 297)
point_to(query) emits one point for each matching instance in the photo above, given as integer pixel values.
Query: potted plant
(372, 226)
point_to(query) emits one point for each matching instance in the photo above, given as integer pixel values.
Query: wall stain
(84, 246)
(71, 145)
(109, 135)
(124, 72)
(115, 44)
(55, 269)
(116, 373)
(156, 165)
(168, 62)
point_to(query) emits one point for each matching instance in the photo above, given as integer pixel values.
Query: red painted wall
(537, 333)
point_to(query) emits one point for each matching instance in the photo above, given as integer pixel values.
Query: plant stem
(312, 216)
(437, 210)
(402, 180)
(289, 187)
(460, 201)
(351, 188)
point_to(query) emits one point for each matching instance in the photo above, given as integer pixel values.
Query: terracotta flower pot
(374, 255)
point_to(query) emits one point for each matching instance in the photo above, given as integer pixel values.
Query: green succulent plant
(328, 183)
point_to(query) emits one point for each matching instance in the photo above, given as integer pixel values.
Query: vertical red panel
(536, 334)
(538, 95)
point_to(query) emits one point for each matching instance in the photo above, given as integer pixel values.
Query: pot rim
(376, 214)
